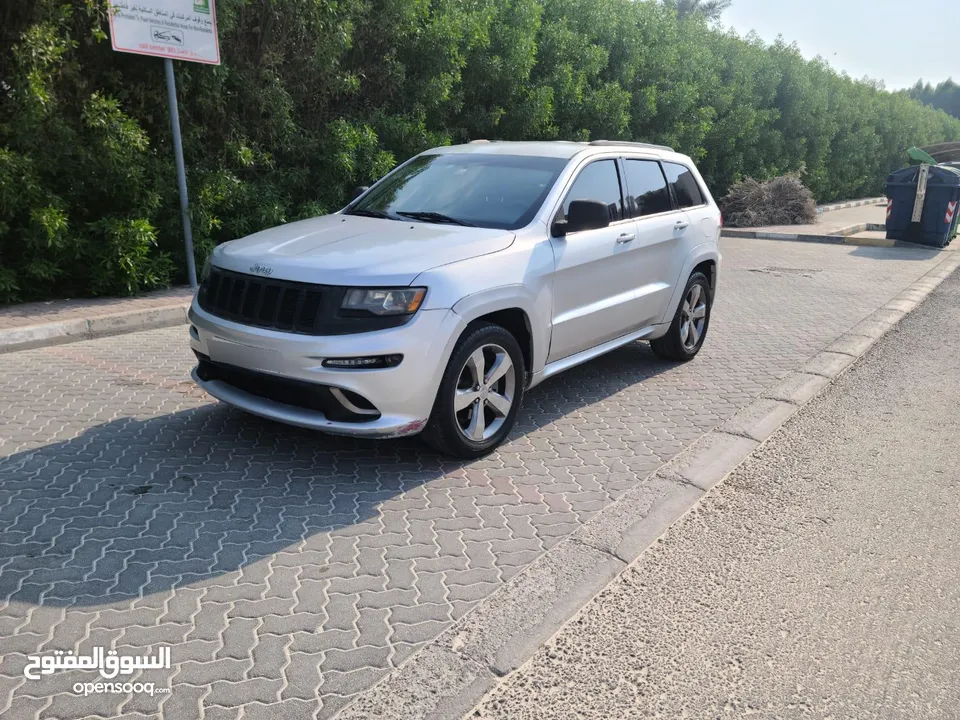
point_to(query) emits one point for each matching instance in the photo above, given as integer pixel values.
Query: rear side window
(597, 181)
(648, 188)
(684, 185)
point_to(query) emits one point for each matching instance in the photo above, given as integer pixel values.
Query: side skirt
(558, 366)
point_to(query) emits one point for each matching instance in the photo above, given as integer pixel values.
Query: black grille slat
(251, 300)
(223, 296)
(275, 318)
(309, 310)
(285, 305)
(301, 299)
(287, 309)
(268, 309)
(235, 303)
(212, 286)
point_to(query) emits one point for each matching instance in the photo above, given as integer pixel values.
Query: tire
(459, 432)
(676, 345)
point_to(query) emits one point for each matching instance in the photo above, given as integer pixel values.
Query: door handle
(682, 225)
(626, 237)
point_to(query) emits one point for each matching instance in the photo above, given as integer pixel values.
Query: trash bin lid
(939, 175)
(944, 175)
(920, 157)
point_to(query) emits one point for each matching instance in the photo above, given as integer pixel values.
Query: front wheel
(689, 327)
(479, 395)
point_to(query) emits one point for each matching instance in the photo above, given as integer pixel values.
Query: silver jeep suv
(464, 277)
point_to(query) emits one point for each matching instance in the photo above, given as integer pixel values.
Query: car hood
(353, 250)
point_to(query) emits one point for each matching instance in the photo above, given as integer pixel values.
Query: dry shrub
(780, 201)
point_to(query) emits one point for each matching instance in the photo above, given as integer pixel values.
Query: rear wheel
(479, 395)
(689, 327)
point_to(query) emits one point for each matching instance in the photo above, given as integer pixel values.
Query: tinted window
(648, 188)
(493, 191)
(684, 185)
(597, 181)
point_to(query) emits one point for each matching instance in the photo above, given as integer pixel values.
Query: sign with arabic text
(176, 29)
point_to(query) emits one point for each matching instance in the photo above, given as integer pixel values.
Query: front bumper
(402, 395)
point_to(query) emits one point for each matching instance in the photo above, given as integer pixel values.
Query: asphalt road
(820, 581)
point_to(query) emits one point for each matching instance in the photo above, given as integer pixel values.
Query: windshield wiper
(369, 213)
(434, 217)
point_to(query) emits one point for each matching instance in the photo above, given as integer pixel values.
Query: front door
(593, 287)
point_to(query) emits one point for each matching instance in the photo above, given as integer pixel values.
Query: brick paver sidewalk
(41, 313)
(287, 571)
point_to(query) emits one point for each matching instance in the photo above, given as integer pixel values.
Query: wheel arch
(703, 257)
(708, 268)
(512, 308)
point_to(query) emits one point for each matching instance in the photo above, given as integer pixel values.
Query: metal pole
(922, 180)
(181, 172)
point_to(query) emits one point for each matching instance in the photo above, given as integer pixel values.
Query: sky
(863, 37)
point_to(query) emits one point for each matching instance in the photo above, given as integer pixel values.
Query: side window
(648, 188)
(597, 181)
(684, 185)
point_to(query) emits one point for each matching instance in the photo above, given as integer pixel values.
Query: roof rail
(649, 146)
(478, 142)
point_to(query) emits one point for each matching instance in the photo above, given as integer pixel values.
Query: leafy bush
(314, 98)
(780, 201)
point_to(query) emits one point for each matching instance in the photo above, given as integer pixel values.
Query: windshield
(491, 191)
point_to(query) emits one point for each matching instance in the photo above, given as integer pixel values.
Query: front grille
(285, 305)
(288, 391)
(252, 300)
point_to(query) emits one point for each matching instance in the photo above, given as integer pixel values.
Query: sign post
(172, 30)
(181, 171)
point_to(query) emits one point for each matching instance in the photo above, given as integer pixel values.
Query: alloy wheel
(486, 389)
(693, 317)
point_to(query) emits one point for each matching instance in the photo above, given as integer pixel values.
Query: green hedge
(317, 96)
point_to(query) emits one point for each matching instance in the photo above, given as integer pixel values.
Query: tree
(314, 98)
(710, 9)
(945, 96)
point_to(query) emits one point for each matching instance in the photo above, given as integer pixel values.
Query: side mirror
(359, 191)
(587, 215)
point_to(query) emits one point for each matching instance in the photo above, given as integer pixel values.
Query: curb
(44, 335)
(451, 674)
(850, 204)
(844, 236)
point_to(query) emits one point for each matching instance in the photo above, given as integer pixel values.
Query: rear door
(593, 286)
(694, 202)
(660, 229)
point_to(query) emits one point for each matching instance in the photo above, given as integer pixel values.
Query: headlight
(386, 301)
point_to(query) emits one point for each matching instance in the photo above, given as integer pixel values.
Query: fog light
(364, 363)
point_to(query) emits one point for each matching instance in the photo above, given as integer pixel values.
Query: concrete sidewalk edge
(850, 204)
(843, 236)
(40, 335)
(448, 677)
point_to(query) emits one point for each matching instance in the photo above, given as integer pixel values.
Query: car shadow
(134, 507)
(917, 253)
